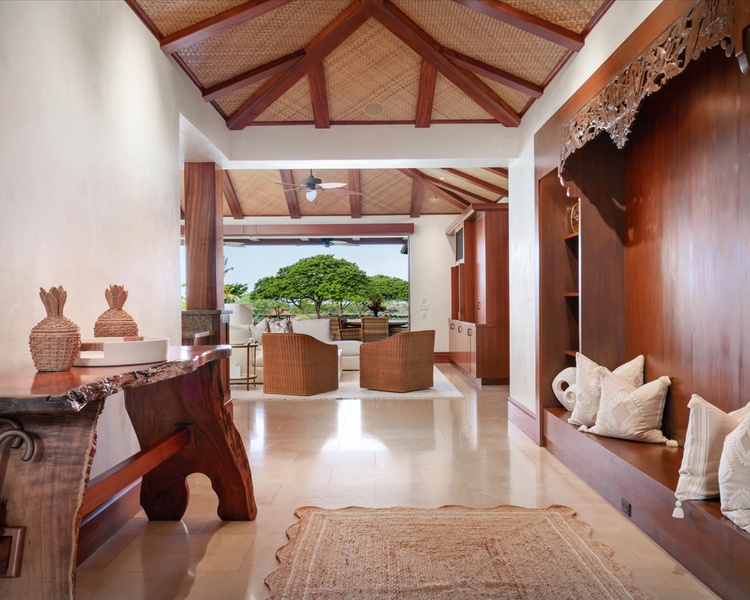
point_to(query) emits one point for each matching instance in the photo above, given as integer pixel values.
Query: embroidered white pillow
(734, 475)
(588, 386)
(631, 413)
(257, 331)
(278, 327)
(707, 428)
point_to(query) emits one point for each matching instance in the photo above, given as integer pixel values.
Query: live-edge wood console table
(47, 443)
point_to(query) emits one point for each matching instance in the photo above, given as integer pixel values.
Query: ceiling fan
(326, 242)
(312, 185)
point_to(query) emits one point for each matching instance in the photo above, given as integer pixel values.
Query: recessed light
(373, 109)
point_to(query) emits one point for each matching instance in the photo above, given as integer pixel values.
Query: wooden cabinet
(478, 335)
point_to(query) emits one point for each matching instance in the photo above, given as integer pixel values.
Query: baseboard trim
(102, 523)
(442, 357)
(525, 420)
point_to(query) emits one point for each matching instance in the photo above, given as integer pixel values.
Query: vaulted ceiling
(341, 62)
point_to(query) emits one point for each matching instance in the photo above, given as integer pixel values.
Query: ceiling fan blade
(294, 185)
(328, 186)
(343, 191)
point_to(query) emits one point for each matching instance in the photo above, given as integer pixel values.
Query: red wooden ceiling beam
(316, 77)
(527, 22)
(495, 189)
(493, 73)
(426, 94)
(231, 196)
(416, 199)
(497, 171)
(252, 76)
(290, 193)
(315, 52)
(400, 25)
(179, 40)
(355, 200)
(419, 177)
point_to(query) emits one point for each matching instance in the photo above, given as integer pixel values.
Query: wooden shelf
(570, 353)
(571, 237)
(571, 295)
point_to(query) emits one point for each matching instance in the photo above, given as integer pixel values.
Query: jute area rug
(349, 389)
(507, 552)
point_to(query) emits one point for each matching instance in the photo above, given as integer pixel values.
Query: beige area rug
(507, 552)
(349, 389)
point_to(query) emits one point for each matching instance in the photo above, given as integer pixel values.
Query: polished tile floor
(367, 453)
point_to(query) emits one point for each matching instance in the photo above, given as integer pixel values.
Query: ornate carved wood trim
(707, 24)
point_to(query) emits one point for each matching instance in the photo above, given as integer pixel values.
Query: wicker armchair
(374, 328)
(343, 333)
(400, 363)
(298, 365)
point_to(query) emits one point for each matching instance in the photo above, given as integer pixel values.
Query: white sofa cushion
(348, 347)
(239, 334)
(734, 476)
(320, 329)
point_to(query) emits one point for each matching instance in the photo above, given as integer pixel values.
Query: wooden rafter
(231, 196)
(426, 94)
(495, 189)
(416, 199)
(389, 15)
(458, 189)
(237, 15)
(419, 177)
(315, 52)
(526, 22)
(355, 200)
(316, 77)
(252, 76)
(493, 73)
(503, 172)
(291, 195)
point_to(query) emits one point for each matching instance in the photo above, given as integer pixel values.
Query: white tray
(113, 351)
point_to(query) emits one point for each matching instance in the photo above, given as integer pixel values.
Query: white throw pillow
(239, 334)
(588, 386)
(278, 327)
(318, 328)
(734, 475)
(257, 331)
(631, 413)
(708, 426)
(564, 387)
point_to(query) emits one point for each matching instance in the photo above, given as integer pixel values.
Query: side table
(250, 362)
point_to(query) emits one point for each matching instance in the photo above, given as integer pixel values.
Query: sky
(253, 262)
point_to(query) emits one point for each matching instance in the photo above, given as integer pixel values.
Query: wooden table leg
(45, 495)
(217, 450)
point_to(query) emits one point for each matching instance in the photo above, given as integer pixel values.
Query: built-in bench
(705, 542)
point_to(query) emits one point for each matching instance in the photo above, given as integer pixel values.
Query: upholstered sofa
(317, 328)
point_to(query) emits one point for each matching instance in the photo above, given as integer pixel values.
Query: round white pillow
(564, 387)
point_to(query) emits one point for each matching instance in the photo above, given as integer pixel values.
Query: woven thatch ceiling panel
(259, 192)
(257, 42)
(233, 101)
(294, 105)
(174, 15)
(372, 66)
(457, 181)
(433, 205)
(517, 100)
(385, 192)
(488, 176)
(484, 38)
(452, 103)
(573, 15)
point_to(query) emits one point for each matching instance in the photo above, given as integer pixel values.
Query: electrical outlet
(625, 507)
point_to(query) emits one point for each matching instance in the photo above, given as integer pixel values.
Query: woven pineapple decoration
(55, 341)
(115, 322)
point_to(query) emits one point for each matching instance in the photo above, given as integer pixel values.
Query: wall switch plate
(625, 507)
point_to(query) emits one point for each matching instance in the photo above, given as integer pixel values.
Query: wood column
(204, 236)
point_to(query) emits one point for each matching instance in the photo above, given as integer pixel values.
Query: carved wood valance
(708, 23)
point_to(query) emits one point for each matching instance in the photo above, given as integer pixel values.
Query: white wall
(89, 177)
(620, 21)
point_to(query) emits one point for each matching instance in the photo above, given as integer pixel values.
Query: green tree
(317, 280)
(233, 292)
(390, 288)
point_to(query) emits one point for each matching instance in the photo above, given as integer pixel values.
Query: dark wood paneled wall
(687, 261)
